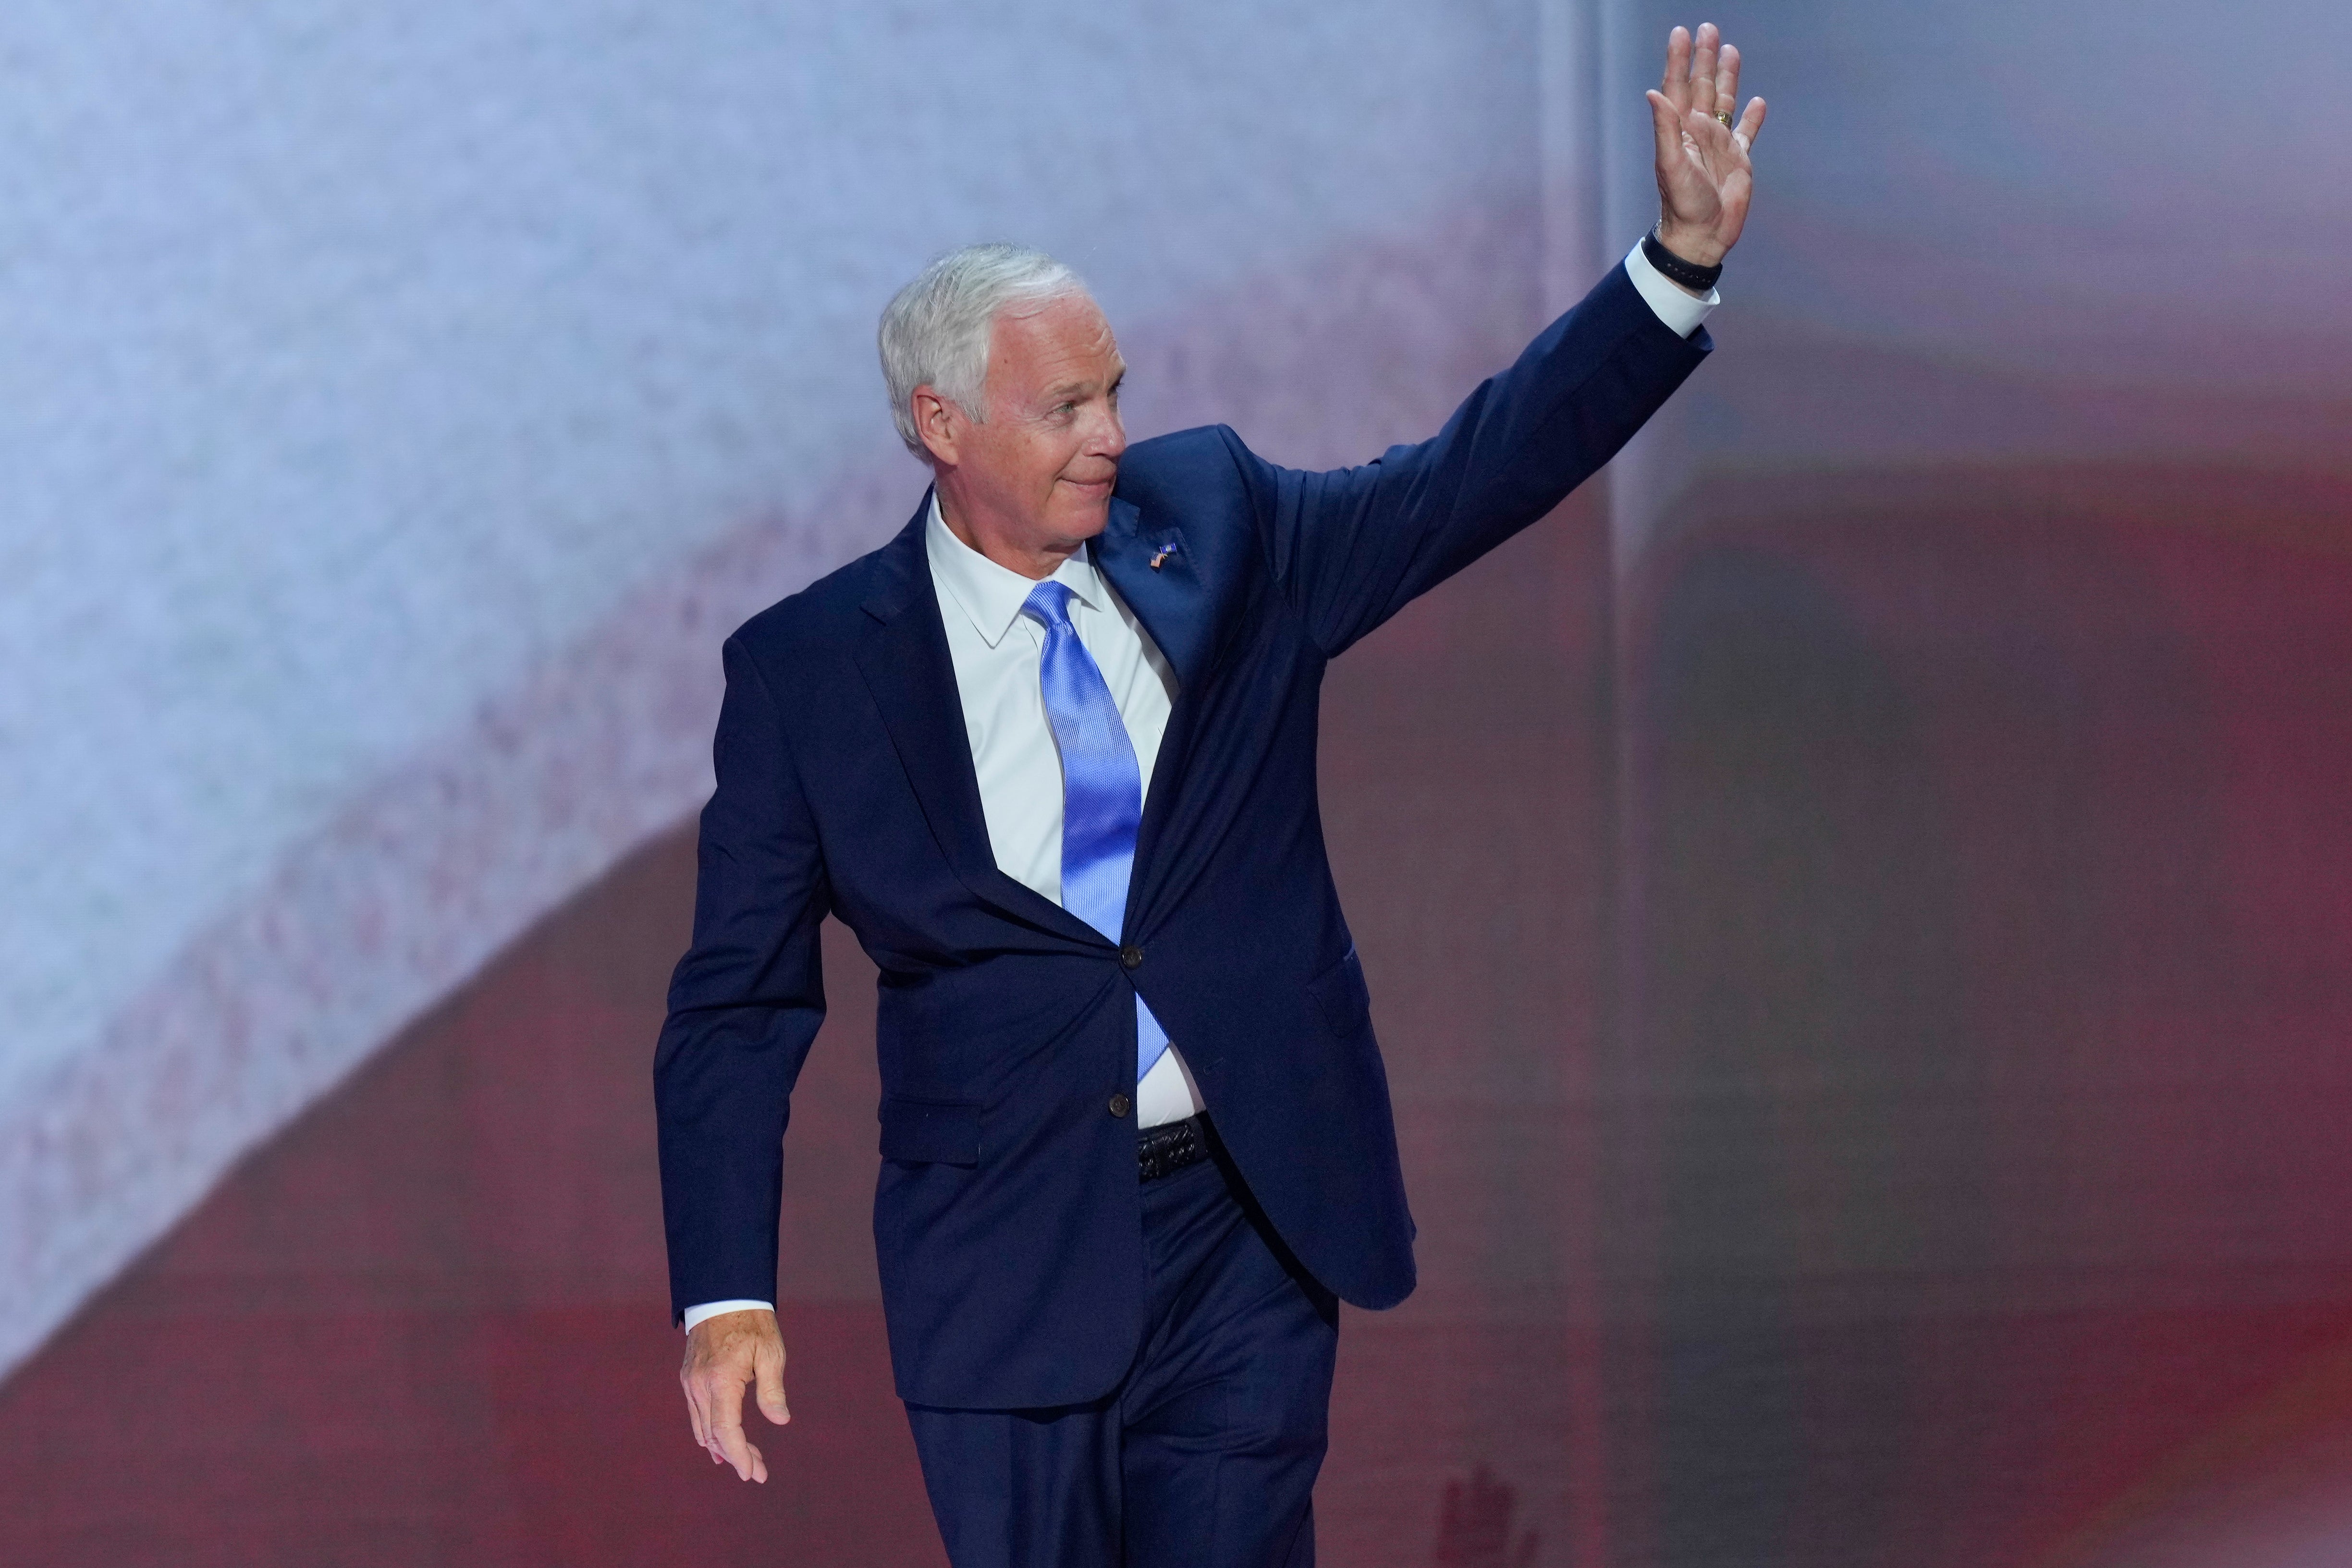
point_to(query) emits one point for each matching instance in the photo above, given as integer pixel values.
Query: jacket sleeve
(745, 1004)
(1350, 547)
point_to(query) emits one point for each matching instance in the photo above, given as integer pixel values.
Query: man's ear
(939, 422)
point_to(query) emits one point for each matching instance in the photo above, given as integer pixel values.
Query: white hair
(935, 330)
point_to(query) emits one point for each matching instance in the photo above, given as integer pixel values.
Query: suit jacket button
(1120, 1105)
(1130, 957)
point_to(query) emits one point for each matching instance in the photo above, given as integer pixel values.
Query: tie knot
(1049, 605)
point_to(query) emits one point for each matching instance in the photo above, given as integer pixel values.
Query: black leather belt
(1173, 1145)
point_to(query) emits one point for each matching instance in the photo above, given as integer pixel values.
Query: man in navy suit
(1050, 753)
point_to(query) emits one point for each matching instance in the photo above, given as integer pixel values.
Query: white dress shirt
(995, 650)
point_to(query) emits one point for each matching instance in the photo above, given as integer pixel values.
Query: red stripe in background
(428, 1324)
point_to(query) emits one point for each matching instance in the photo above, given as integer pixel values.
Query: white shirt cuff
(712, 1309)
(1683, 311)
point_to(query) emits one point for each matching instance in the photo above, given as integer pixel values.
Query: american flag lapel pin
(1159, 557)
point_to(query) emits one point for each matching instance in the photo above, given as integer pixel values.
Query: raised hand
(1704, 177)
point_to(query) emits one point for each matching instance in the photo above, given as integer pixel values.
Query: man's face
(1043, 463)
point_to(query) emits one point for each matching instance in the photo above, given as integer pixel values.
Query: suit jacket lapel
(1172, 601)
(904, 658)
(1169, 599)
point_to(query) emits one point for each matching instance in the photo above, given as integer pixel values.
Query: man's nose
(1109, 438)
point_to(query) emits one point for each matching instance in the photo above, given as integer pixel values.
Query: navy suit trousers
(1206, 1454)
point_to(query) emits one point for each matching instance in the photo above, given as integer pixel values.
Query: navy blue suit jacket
(1006, 1220)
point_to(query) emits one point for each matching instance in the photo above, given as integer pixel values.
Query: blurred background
(1856, 903)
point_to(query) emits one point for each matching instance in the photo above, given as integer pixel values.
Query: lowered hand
(722, 1355)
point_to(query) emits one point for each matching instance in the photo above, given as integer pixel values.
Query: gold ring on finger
(1724, 117)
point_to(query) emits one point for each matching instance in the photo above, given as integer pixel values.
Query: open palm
(1705, 175)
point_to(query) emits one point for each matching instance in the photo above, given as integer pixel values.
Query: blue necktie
(1102, 788)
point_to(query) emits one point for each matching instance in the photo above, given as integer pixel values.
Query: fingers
(1702, 68)
(1744, 134)
(695, 1415)
(727, 1429)
(768, 1368)
(1702, 72)
(1666, 122)
(1676, 84)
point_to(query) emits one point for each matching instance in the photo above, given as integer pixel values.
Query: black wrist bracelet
(1690, 274)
